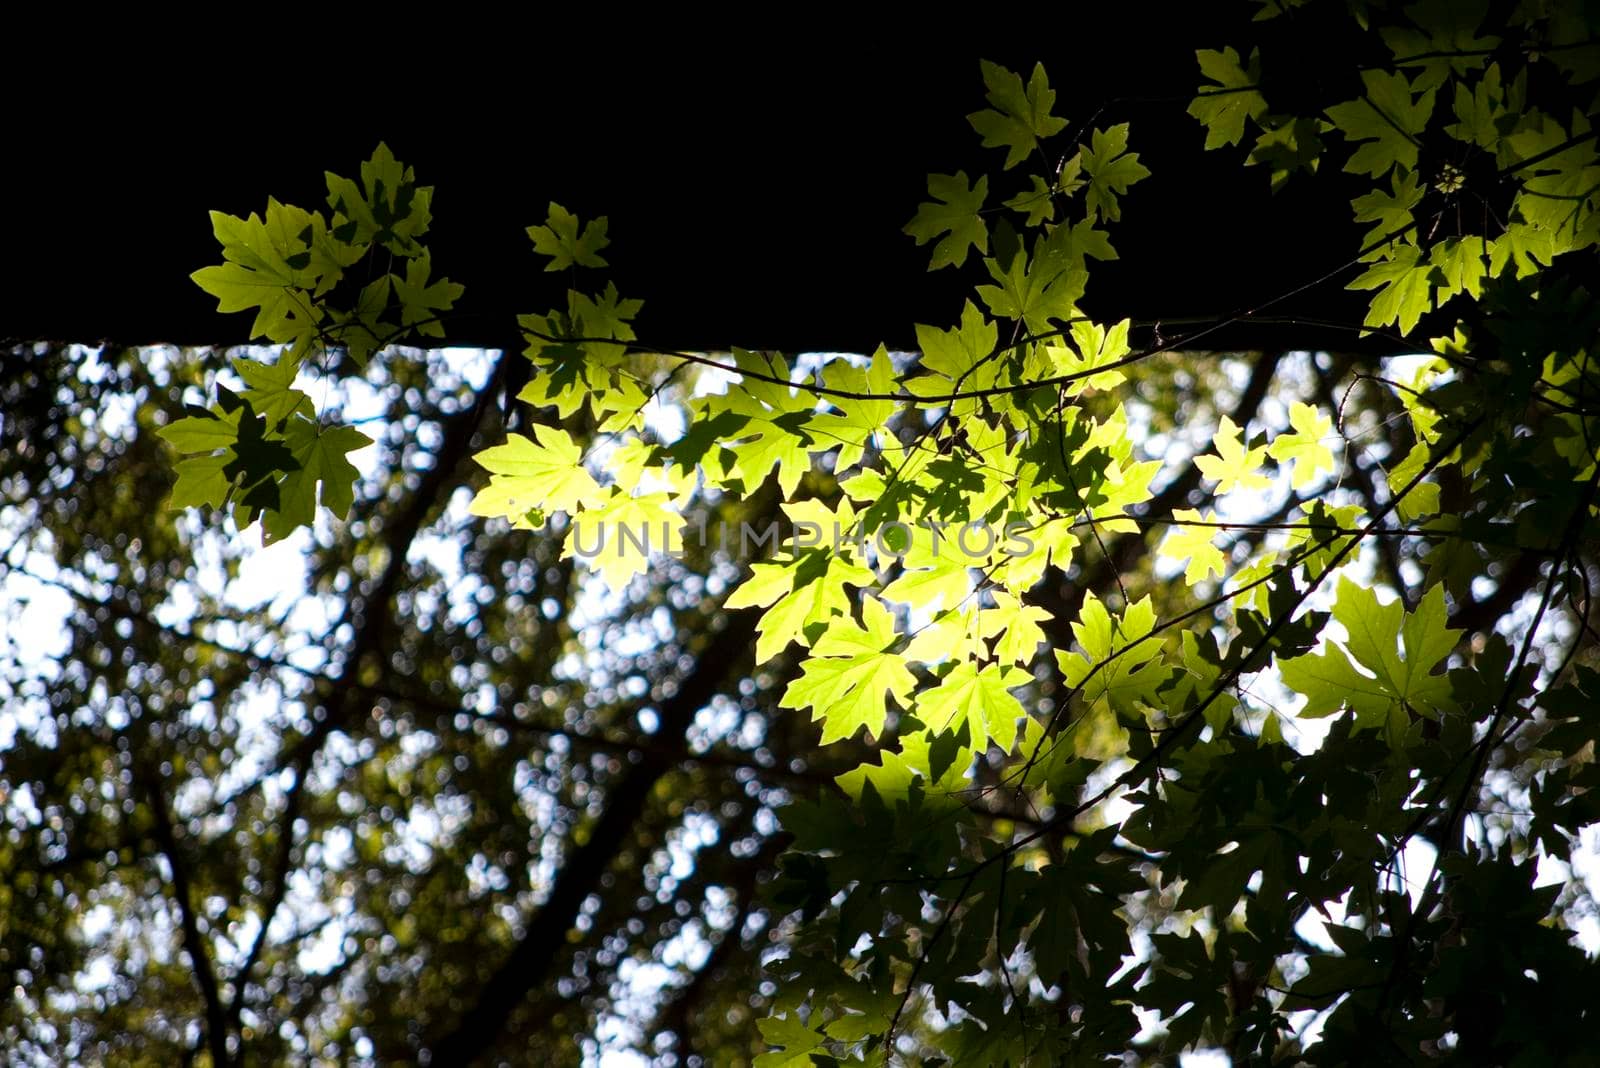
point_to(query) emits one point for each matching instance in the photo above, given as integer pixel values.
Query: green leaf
(978, 698)
(1391, 213)
(387, 208)
(1033, 292)
(258, 274)
(955, 352)
(1234, 466)
(1017, 627)
(568, 245)
(321, 453)
(794, 1040)
(1305, 447)
(856, 423)
(1117, 668)
(1385, 123)
(1442, 40)
(1398, 651)
(816, 594)
(1405, 288)
(1231, 98)
(202, 433)
(774, 438)
(952, 218)
(1020, 117)
(767, 583)
(200, 482)
(272, 391)
(1038, 203)
(548, 475)
(607, 315)
(1463, 264)
(1092, 346)
(1287, 145)
(1525, 247)
(421, 302)
(617, 536)
(1194, 544)
(1487, 111)
(851, 674)
(934, 571)
(1111, 169)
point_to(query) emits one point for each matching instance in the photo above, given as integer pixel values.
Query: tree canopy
(1066, 690)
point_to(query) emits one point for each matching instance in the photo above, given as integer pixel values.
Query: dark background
(756, 176)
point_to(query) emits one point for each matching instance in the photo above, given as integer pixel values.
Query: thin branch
(194, 944)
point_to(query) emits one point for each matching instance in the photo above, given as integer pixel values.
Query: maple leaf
(547, 475)
(1305, 447)
(1234, 466)
(1195, 544)
(387, 207)
(272, 391)
(259, 274)
(607, 315)
(618, 537)
(1444, 40)
(851, 674)
(978, 698)
(1320, 529)
(955, 352)
(1481, 112)
(774, 439)
(1032, 291)
(1017, 627)
(1462, 264)
(322, 455)
(201, 481)
(1034, 548)
(810, 604)
(1092, 346)
(1067, 246)
(237, 451)
(563, 378)
(1134, 676)
(1037, 203)
(897, 773)
(953, 214)
(1020, 117)
(1524, 246)
(1397, 652)
(362, 330)
(203, 433)
(567, 246)
(800, 595)
(1392, 212)
(1405, 285)
(1288, 144)
(1111, 169)
(1385, 123)
(1233, 97)
(933, 569)
(953, 635)
(767, 583)
(795, 1039)
(420, 301)
(853, 423)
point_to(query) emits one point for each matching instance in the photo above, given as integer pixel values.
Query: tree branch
(371, 623)
(205, 976)
(529, 965)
